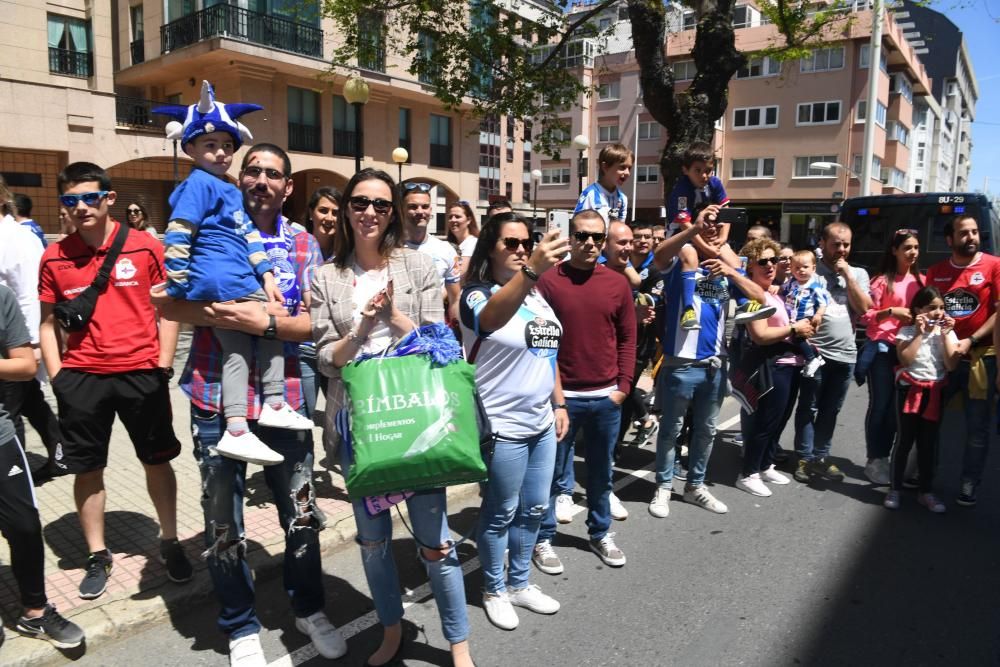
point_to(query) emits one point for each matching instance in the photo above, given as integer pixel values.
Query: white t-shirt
(466, 247)
(929, 364)
(444, 256)
(515, 365)
(366, 285)
(20, 254)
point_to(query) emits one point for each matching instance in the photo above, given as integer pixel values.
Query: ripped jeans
(516, 498)
(223, 483)
(428, 518)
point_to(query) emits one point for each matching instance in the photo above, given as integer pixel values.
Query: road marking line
(423, 592)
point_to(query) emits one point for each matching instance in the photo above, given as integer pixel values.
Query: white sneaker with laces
(877, 471)
(753, 485)
(532, 598)
(564, 508)
(700, 496)
(772, 476)
(246, 652)
(812, 366)
(659, 506)
(285, 418)
(618, 511)
(499, 610)
(326, 638)
(247, 447)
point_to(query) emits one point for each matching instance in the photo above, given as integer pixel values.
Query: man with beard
(968, 281)
(416, 216)
(822, 395)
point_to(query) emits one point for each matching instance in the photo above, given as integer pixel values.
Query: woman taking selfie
(372, 294)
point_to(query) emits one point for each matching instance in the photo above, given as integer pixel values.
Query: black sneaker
(172, 555)
(95, 582)
(967, 497)
(62, 632)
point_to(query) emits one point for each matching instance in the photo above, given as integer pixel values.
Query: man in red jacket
(596, 365)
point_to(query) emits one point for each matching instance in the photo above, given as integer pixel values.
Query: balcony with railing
(70, 63)
(244, 25)
(138, 50)
(441, 155)
(304, 138)
(372, 58)
(136, 113)
(344, 142)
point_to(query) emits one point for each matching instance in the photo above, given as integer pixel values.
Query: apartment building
(782, 118)
(84, 75)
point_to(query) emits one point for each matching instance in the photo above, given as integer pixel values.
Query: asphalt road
(817, 574)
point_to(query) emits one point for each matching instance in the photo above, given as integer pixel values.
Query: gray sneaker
(700, 496)
(545, 559)
(607, 551)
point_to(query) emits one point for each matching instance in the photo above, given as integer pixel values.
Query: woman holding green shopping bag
(374, 293)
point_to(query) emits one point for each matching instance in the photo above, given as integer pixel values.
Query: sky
(979, 21)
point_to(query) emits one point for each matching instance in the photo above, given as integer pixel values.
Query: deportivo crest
(124, 269)
(977, 278)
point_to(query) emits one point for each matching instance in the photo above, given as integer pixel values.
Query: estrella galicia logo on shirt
(714, 292)
(542, 336)
(124, 269)
(961, 303)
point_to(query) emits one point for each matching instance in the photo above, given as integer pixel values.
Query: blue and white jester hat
(207, 116)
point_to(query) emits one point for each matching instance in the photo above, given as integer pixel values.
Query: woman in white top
(512, 335)
(372, 293)
(138, 219)
(463, 230)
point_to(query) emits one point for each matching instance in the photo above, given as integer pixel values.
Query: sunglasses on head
(768, 261)
(463, 202)
(582, 237)
(88, 198)
(512, 244)
(255, 172)
(911, 232)
(360, 204)
(419, 187)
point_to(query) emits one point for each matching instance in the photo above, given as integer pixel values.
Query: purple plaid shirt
(202, 376)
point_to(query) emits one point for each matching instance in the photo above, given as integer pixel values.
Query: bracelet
(355, 337)
(560, 406)
(526, 270)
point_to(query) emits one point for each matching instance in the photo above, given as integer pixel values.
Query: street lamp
(536, 175)
(356, 94)
(581, 143)
(400, 155)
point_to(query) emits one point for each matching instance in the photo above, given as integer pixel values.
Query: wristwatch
(560, 406)
(528, 271)
(271, 331)
(168, 371)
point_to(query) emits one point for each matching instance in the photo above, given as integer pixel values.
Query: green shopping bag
(413, 425)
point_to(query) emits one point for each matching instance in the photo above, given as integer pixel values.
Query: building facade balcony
(304, 138)
(136, 113)
(71, 63)
(244, 25)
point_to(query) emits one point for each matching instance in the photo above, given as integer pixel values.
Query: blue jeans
(516, 498)
(308, 375)
(977, 417)
(599, 418)
(820, 400)
(762, 429)
(703, 389)
(880, 420)
(428, 512)
(223, 484)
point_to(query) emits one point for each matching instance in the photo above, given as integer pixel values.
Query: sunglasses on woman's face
(768, 261)
(513, 244)
(360, 204)
(133, 211)
(581, 237)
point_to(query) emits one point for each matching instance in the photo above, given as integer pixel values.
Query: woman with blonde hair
(463, 230)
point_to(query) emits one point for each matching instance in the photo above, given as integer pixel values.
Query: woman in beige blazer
(373, 293)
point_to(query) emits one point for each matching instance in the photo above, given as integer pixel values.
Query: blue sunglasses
(89, 198)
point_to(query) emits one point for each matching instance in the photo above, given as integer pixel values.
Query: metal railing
(138, 50)
(72, 63)
(344, 142)
(304, 138)
(244, 25)
(371, 58)
(136, 113)
(441, 155)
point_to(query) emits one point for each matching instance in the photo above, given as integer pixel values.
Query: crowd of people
(559, 329)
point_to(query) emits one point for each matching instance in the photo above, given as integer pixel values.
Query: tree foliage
(479, 59)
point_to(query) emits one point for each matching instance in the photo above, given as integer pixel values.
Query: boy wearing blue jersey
(214, 253)
(605, 195)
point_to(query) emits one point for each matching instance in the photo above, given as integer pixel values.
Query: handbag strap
(104, 273)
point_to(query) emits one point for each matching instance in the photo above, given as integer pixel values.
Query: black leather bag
(74, 314)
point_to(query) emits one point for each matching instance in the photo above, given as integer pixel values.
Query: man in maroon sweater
(596, 364)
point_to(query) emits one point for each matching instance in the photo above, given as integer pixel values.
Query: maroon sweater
(597, 314)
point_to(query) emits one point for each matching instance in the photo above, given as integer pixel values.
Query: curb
(129, 615)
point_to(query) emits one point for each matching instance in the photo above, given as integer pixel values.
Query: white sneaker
(326, 639)
(700, 496)
(772, 476)
(531, 597)
(660, 505)
(877, 471)
(618, 511)
(284, 418)
(753, 485)
(564, 508)
(499, 610)
(247, 447)
(812, 366)
(246, 652)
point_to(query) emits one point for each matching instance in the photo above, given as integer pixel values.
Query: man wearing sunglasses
(596, 362)
(416, 217)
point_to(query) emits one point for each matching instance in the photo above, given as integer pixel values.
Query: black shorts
(88, 404)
